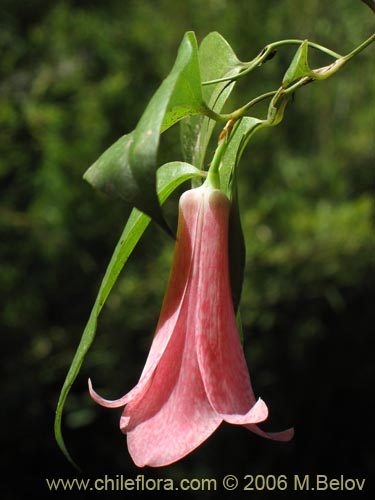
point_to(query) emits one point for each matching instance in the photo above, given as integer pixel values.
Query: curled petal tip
(257, 413)
(282, 436)
(124, 421)
(95, 396)
(101, 401)
(286, 435)
(91, 390)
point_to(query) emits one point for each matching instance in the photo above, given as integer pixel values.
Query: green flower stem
(318, 74)
(264, 54)
(240, 112)
(213, 177)
(292, 88)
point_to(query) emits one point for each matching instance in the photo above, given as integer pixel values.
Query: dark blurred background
(74, 76)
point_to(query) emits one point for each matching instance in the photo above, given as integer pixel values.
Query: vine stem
(239, 112)
(359, 49)
(264, 54)
(318, 74)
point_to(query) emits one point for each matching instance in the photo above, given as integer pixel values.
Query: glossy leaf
(169, 177)
(237, 249)
(228, 173)
(127, 169)
(217, 60)
(240, 135)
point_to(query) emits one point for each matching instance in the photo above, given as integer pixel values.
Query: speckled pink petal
(170, 311)
(107, 403)
(222, 363)
(174, 416)
(257, 413)
(196, 374)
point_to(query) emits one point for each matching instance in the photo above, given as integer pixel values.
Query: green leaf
(240, 135)
(128, 168)
(299, 66)
(217, 60)
(169, 177)
(236, 248)
(239, 324)
(228, 185)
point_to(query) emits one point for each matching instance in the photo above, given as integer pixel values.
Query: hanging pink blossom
(195, 375)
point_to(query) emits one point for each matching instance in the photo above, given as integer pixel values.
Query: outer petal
(170, 311)
(220, 354)
(222, 363)
(257, 413)
(173, 416)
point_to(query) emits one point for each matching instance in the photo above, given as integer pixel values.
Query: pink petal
(108, 403)
(257, 413)
(173, 416)
(169, 314)
(286, 435)
(221, 360)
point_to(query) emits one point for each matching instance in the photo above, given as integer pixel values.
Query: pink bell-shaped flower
(195, 375)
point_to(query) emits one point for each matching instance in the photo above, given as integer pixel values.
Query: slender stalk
(359, 49)
(238, 113)
(318, 74)
(213, 177)
(262, 56)
(314, 45)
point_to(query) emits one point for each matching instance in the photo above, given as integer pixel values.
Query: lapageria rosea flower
(195, 375)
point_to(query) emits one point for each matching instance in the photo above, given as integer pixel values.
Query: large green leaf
(228, 173)
(127, 169)
(240, 136)
(236, 249)
(169, 177)
(217, 60)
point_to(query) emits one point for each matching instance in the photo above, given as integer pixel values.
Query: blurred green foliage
(74, 76)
